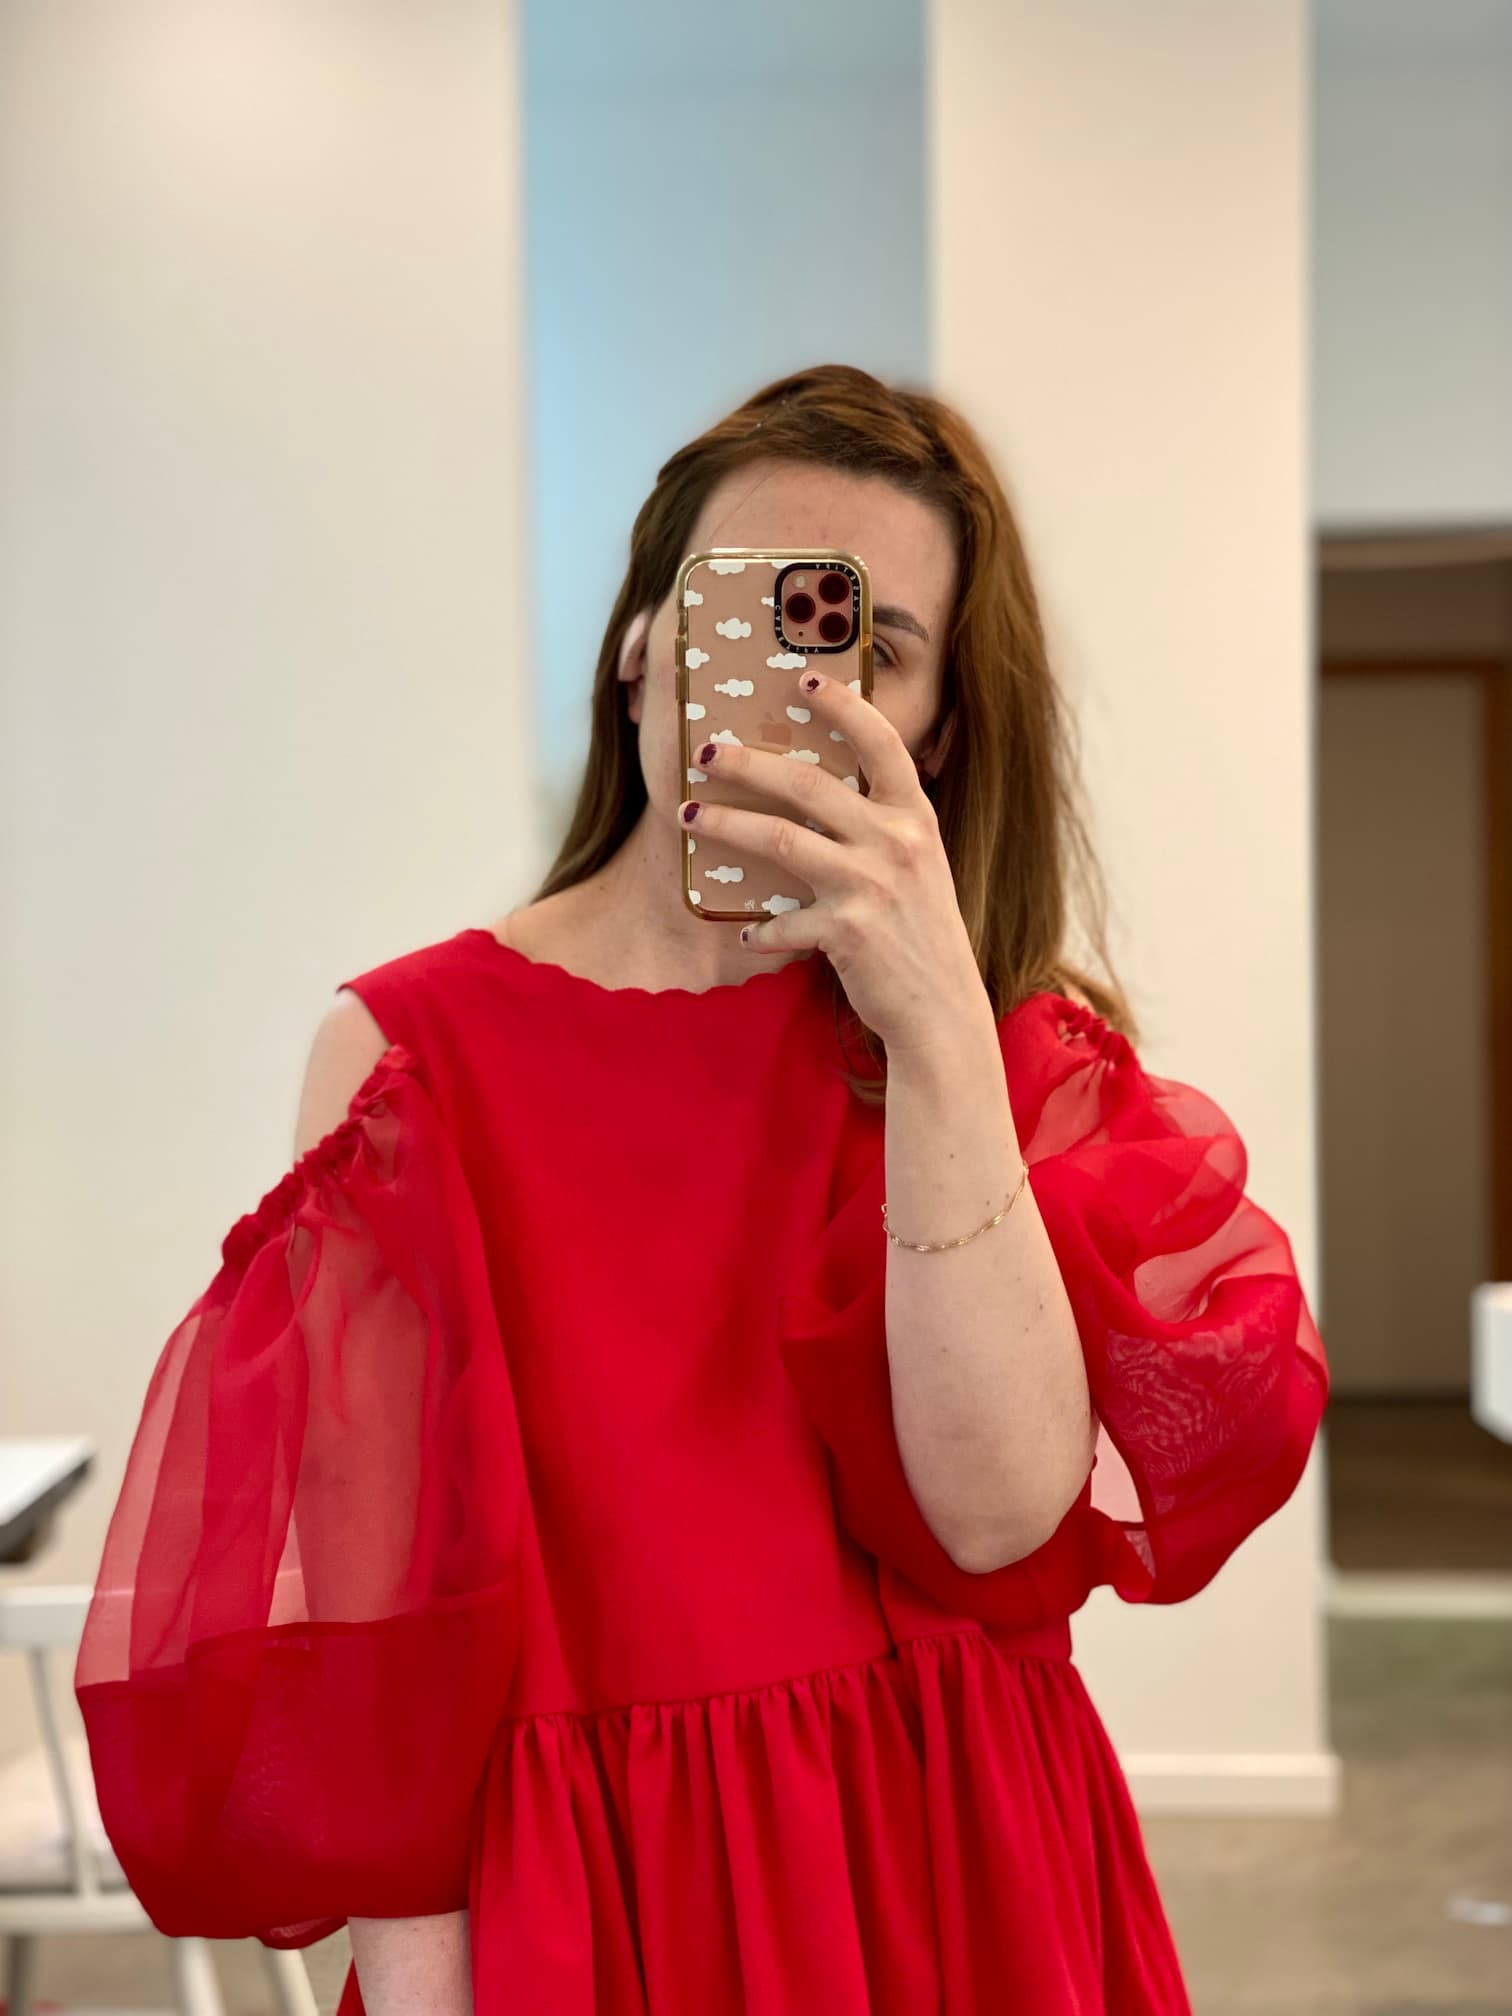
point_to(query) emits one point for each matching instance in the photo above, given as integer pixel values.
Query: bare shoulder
(347, 1044)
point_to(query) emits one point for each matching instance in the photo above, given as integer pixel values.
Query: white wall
(1119, 262)
(1412, 268)
(266, 705)
(680, 154)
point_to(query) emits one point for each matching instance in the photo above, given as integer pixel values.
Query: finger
(799, 930)
(814, 857)
(835, 804)
(890, 772)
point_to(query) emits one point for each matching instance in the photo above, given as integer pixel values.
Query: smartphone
(749, 620)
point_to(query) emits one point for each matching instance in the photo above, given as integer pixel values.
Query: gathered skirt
(943, 1829)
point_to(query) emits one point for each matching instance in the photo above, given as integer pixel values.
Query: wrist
(956, 1042)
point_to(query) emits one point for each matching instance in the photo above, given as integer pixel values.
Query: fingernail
(706, 754)
(812, 682)
(689, 813)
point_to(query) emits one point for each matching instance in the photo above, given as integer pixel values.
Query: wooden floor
(1416, 1484)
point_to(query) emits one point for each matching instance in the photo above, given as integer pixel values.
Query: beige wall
(1119, 213)
(261, 584)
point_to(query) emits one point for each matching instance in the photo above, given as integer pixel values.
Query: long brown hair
(1007, 794)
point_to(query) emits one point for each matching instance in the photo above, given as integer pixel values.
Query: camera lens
(834, 588)
(834, 628)
(800, 608)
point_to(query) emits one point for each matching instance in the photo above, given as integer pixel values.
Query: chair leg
(194, 1981)
(292, 1993)
(20, 1974)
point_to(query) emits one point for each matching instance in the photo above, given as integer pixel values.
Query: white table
(1491, 1357)
(37, 1472)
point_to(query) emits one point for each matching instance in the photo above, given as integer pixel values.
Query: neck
(630, 920)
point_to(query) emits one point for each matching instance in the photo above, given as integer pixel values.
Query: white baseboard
(1238, 1784)
(1242, 1784)
(1409, 1593)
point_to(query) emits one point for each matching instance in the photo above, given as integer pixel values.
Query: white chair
(57, 1871)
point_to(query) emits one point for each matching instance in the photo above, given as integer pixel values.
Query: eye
(885, 649)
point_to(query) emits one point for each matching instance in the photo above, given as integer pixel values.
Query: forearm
(990, 1403)
(414, 1966)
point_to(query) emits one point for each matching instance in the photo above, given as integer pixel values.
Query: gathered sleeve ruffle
(305, 1622)
(1206, 1371)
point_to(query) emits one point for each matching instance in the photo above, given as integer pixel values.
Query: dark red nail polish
(690, 813)
(706, 754)
(811, 684)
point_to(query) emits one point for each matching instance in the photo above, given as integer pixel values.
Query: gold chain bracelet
(943, 1245)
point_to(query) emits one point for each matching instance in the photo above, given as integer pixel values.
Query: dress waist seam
(1046, 1643)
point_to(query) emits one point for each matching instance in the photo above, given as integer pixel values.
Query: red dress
(516, 1521)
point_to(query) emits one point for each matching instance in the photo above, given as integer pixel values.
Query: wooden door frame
(1493, 677)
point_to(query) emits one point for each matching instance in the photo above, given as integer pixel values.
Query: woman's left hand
(886, 914)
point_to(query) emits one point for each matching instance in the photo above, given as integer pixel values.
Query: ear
(632, 651)
(631, 669)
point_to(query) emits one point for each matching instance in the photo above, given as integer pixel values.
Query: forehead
(905, 543)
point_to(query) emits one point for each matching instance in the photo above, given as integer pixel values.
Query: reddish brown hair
(1006, 797)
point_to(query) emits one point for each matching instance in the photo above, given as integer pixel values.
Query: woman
(609, 1530)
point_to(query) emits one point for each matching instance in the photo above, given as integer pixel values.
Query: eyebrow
(890, 618)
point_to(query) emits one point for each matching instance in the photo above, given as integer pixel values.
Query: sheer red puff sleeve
(1205, 1368)
(304, 1625)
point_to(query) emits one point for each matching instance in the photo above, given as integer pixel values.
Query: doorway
(1414, 749)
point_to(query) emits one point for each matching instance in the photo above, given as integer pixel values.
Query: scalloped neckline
(563, 976)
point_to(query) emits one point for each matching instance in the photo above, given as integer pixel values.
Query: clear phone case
(750, 620)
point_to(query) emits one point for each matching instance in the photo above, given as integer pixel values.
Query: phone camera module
(816, 606)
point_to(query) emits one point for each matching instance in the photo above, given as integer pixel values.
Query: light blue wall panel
(667, 144)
